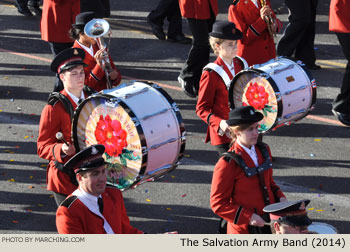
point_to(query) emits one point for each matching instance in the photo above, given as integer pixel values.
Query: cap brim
(237, 121)
(78, 26)
(236, 36)
(303, 220)
(73, 64)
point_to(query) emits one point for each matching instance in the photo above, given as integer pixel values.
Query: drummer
(93, 208)
(289, 217)
(56, 117)
(212, 105)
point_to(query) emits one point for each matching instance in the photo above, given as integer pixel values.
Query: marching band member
(212, 104)
(339, 22)
(289, 217)
(93, 208)
(56, 117)
(95, 76)
(201, 15)
(242, 183)
(257, 44)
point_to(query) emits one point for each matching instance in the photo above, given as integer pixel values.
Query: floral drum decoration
(111, 134)
(258, 97)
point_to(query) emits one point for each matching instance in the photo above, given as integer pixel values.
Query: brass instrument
(269, 21)
(96, 29)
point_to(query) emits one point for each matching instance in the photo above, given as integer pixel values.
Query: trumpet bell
(96, 28)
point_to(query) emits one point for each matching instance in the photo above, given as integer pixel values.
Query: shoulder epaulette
(54, 97)
(250, 171)
(68, 201)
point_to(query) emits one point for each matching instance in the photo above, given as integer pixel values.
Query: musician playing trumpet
(97, 70)
(259, 24)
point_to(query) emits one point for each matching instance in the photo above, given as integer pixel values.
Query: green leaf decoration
(264, 111)
(122, 160)
(262, 127)
(129, 154)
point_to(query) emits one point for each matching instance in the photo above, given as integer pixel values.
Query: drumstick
(60, 137)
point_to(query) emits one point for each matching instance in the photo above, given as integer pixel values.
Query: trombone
(96, 29)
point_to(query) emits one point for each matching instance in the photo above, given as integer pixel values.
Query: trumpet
(269, 21)
(96, 29)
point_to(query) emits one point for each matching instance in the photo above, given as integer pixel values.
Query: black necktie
(80, 100)
(100, 204)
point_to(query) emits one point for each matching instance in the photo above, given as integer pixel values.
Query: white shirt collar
(256, 3)
(90, 201)
(74, 98)
(230, 67)
(251, 152)
(90, 49)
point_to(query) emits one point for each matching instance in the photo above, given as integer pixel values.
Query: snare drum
(141, 128)
(282, 90)
(322, 228)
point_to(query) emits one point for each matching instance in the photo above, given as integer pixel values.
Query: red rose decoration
(110, 133)
(256, 96)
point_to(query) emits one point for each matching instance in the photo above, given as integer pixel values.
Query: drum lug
(295, 113)
(164, 167)
(113, 102)
(175, 107)
(313, 83)
(144, 150)
(156, 146)
(135, 121)
(154, 114)
(294, 90)
(278, 96)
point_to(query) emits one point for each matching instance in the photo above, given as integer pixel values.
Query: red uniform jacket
(339, 17)
(198, 9)
(235, 197)
(55, 119)
(95, 76)
(57, 19)
(213, 101)
(76, 218)
(256, 46)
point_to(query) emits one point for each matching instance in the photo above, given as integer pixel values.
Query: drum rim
(324, 224)
(273, 85)
(138, 127)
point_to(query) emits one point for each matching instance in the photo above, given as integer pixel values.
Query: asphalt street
(311, 156)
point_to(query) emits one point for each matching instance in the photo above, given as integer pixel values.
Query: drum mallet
(60, 137)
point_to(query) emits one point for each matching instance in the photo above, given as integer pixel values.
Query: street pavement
(311, 157)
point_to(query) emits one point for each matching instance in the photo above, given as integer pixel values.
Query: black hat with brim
(225, 30)
(289, 212)
(82, 19)
(87, 159)
(243, 115)
(67, 59)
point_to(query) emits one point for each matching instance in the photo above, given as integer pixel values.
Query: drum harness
(54, 97)
(221, 72)
(249, 172)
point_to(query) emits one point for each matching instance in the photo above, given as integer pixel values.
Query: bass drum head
(322, 228)
(100, 120)
(251, 88)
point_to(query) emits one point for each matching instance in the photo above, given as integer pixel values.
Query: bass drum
(282, 90)
(321, 228)
(141, 128)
